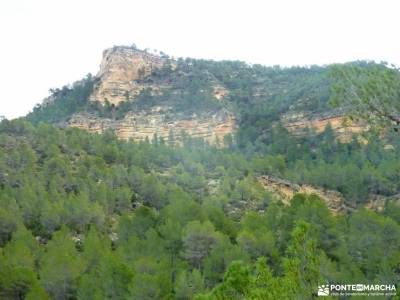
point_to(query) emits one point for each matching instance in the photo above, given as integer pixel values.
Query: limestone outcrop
(297, 122)
(285, 190)
(121, 71)
(126, 71)
(161, 122)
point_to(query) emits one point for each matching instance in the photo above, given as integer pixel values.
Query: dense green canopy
(93, 217)
(88, 216)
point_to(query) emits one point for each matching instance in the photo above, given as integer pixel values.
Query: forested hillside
(88, 216)
(258, 97)
(96, 216)
(255, 95)
(188, 87)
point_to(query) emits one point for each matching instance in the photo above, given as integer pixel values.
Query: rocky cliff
(121, 70)
(297, 122)
(161, 122)
(125, 72)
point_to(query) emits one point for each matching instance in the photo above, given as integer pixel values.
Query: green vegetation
(257, 94)
(64, 102)
(370, 91)
(93, 217)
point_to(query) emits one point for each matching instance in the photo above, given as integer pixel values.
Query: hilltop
(140, 94)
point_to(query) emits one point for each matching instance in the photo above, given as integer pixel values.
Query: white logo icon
(323, 290)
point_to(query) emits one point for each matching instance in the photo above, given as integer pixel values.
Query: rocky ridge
(161, 122)
(120, 71)
(121, 78)
(126, 71)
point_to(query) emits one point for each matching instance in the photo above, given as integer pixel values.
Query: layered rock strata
(146, 124)
(344, 130)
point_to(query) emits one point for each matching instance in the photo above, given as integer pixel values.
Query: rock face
(344, 129)
(285, 190)
(126, 71)
(161, 122)
(120, 72)
(121, 78)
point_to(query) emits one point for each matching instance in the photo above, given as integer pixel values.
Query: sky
(49, 43)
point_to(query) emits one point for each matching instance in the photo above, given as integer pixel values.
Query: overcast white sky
(49, 43)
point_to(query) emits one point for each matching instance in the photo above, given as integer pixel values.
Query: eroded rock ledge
(285, 190)
(160, 121)
(296, 123)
